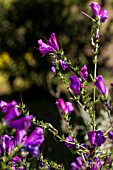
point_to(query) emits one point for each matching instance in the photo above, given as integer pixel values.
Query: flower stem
(108, 130)
(94, 94)
(95, 43)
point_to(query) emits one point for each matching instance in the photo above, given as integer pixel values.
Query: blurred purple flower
(107, 160)
(84, 72)
(36, 138)
(69, 145)
(77, 165)
(65, 107)
(111, 84)
(9, 109)
(101, 14)
(96, 163)
(34, 141)
(53, 69)
(33, 150)
(20, 134)
(75, 84)
(96, 138)
(21, 123)
(40, 163)
(15, 160)
(108, 106)
(110, 135)
(50, 46)
(100, 84)
(7, 143)
(63, 65)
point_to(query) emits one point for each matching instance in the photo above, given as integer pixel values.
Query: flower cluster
(23, 143)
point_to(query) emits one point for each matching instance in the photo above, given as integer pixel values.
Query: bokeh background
(25, 75)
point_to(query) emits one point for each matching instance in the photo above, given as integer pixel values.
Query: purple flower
(34, 141)
(84, 72)
(53, 42)
(7, 143)
(107, 160)
(33, 150)
(100, 84)
(20, 134)
(15, 160)
(36, 138)
(77, 165)
(96, 163)
(50, 46)
(63, 65)
(53, 69)
(22, 123)
(96, 138)
(9, 109)
(65, 107)
(101, 14)
(41, 163)
(69, 145)
(75, 84)
(108, 106)
(110, 135)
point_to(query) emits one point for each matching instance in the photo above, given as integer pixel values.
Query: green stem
(107, 131)
(54, 131)
(94, 94)
(96, 50)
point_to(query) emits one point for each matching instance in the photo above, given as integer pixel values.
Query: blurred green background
(25, 74)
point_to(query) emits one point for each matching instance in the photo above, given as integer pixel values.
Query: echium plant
(19, 147)
(90, 155)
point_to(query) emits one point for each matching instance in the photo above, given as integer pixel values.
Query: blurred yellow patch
(28, 56)
(6, 3)
(30, 59)
(5, 59)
